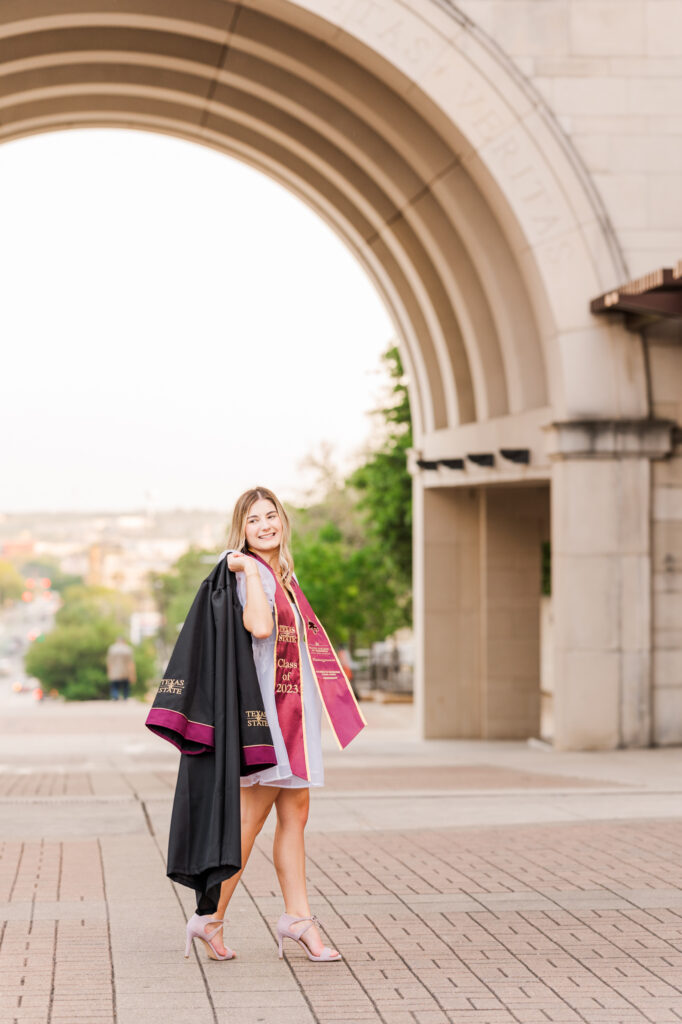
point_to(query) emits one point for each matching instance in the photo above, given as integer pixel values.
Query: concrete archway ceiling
(330, 120)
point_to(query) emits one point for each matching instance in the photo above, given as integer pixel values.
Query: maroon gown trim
(163, 721)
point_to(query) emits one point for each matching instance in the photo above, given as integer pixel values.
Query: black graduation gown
(209, 705)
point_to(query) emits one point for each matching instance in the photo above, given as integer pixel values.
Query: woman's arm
(257, 616)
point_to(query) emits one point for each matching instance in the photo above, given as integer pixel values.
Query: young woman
(297, 672)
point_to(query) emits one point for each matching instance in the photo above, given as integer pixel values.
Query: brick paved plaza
(472, 883)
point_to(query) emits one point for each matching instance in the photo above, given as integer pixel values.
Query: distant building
(112, 549)
(126, 565)
(17, 550)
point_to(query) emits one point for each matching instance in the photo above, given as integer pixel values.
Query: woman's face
(263, 527)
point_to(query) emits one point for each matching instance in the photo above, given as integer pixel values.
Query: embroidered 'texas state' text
(172, 686)
(256, 718)
(287, 634)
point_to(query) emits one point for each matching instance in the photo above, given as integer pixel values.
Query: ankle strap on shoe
(312, 920)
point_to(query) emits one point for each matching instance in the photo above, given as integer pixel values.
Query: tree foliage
(71, 658)
(11, 582)
(383, 482)
(353, 546)
(84, 604)
(48, 567)
(347, 585)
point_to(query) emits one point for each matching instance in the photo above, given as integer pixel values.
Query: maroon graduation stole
(338, 699)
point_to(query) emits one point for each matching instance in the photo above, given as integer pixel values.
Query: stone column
(476, 602)
(664, 343)
(601, 580)
(447, 611)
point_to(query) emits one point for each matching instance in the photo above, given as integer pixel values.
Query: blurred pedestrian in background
(120, 668)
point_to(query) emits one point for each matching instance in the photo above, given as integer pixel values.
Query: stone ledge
(611, 439)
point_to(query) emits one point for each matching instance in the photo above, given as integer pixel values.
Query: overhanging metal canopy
(654, 296)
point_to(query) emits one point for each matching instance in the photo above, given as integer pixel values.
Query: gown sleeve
(183, 709)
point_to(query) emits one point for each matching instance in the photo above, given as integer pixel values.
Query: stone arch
(406, 129)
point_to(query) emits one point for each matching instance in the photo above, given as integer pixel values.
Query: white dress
(264, 658)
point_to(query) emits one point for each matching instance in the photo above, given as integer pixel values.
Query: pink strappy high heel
(195, 930)
(284, 932)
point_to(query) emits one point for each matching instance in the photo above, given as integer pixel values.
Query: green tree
(348, 586)
(383, 482)
(11, 582)
(71, 658)
(84, 604)
(48, 567)
(352, 543)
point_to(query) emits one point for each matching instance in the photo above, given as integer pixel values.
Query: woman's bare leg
(255, 803)
(289, 856)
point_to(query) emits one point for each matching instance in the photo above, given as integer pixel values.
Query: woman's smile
(263, 528)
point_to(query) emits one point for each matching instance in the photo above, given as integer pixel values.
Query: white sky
(175, 327)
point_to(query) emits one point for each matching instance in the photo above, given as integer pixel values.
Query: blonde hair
(236, 540)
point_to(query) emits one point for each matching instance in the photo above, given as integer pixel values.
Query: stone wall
(611, 73)
(665, 361)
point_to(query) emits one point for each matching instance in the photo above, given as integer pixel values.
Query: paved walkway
(463, 882)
